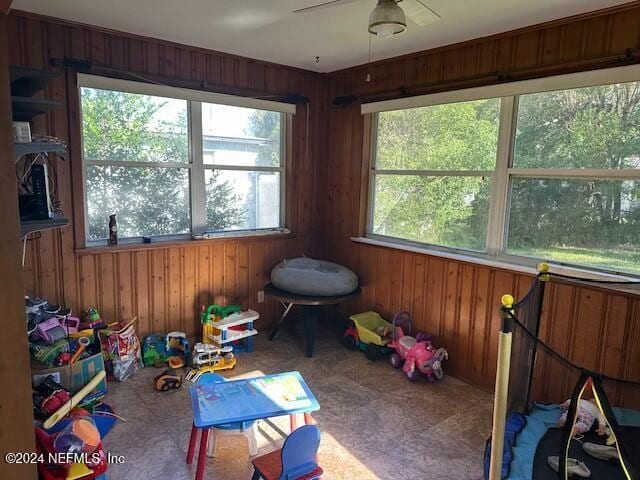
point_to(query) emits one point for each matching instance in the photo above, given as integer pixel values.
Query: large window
(432, 173)
(171, 162)
(550, 171)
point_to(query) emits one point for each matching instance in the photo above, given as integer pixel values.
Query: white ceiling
(267, 30)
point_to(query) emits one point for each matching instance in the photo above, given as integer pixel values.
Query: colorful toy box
(73, 377)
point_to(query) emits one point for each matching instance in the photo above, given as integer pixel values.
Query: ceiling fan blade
(419, 13)
(325, 4)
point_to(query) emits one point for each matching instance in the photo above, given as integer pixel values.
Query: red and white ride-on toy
(415, 355)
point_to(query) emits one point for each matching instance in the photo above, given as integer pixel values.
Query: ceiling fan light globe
(387, 19)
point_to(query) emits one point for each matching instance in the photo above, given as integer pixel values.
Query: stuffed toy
(588, 413)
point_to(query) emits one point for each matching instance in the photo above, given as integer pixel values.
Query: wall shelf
(31, 226)
(25, 108)
(37, 147)
(26, 82)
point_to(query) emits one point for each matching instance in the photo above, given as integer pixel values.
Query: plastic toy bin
(366, 323)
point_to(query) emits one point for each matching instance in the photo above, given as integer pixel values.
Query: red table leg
(292, 421)
(202, 454)
(192, 444)
(308, 419)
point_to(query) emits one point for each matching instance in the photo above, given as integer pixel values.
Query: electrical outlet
(260, 296)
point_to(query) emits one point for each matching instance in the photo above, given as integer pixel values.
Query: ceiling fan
(388, 17)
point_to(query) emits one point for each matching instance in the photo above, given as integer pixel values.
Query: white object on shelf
(21, 132)
(233, 335)
(208, 348)
(236, 319)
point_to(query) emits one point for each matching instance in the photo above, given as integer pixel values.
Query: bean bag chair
(318, 278)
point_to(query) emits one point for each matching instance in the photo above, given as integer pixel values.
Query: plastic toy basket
(367, 323)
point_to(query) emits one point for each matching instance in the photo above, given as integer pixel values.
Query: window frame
(195, 164)
(504, 173)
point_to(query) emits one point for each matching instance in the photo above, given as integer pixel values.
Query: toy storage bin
(366, 323)
(73, 377)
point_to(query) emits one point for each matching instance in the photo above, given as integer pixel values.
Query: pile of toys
(70, 358)
(71, 424)
(224, 330)
(416, 355)
(173, 350)
(56, 337)
(81, 439)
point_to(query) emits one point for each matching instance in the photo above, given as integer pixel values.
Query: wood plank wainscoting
(162, 286)
(458, 301)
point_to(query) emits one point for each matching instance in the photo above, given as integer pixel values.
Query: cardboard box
(72, 377)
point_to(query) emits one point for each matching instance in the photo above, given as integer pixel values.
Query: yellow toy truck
(369, 332)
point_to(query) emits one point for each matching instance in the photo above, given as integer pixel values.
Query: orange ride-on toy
(415, 355)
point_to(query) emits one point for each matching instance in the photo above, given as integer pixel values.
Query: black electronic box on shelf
(36, 205)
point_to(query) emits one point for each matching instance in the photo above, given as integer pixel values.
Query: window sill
(190, 242)
(527, 266)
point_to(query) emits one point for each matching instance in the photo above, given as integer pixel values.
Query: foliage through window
(591, 220)
(141, 163)
(566, 190)
(432, 175)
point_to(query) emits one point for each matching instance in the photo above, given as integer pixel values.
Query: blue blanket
(541, 418)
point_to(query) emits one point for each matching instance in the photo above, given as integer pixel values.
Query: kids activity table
(245, 400)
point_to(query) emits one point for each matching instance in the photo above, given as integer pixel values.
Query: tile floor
(375, 424)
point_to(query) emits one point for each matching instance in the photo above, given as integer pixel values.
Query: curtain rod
(631, 56)
(86, 66)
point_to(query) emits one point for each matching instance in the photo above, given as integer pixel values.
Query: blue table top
(251, 399)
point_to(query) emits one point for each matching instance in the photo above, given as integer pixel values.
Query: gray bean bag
(306, 276)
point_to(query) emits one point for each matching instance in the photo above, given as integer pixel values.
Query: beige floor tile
(375, 423)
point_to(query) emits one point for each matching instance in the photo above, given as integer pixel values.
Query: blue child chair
(296, 460)
(247, 429)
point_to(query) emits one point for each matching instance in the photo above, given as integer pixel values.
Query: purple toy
(70, 324)
(50, 331)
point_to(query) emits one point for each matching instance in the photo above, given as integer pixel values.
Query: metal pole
(501, 390)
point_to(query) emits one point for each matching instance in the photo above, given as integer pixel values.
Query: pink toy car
(415, 355)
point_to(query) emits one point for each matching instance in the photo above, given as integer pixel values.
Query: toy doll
(588, 413)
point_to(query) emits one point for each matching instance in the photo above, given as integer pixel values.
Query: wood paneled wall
(458, 301)
(578, 43)
(455, 300)
(16, 412)
(162, 286)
